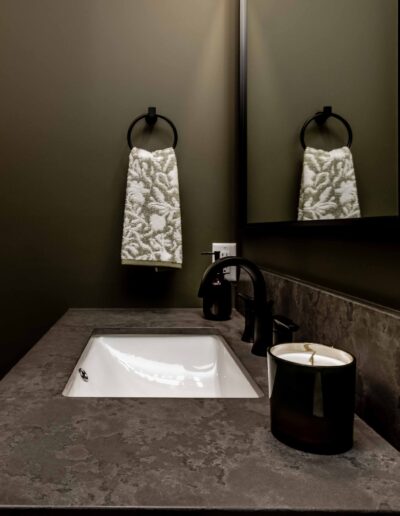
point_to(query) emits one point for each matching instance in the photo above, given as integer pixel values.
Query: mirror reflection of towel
(152, 232)
(328, 185)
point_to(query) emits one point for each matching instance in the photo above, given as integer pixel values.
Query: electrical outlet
(227, 250)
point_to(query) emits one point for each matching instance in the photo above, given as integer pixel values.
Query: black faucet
(262, 338)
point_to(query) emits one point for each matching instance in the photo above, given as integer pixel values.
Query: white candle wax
(304, 357)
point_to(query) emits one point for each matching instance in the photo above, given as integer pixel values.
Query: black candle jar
(312, 393)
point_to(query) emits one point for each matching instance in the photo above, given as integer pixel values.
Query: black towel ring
(151, 118)
(321, 117)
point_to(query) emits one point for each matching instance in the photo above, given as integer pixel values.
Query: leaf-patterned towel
(152, 232)
(328, 185)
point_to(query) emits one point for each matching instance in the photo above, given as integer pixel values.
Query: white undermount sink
(159, 365)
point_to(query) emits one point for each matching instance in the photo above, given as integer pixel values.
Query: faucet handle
(283, 329)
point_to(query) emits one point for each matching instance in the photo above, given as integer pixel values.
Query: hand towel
(152, 233)
(328, 185)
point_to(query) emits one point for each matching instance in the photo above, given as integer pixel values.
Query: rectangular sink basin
(159, 366)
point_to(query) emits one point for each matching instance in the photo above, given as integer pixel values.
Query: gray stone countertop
(209, 454)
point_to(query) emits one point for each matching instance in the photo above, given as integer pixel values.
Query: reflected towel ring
(151, 118)
(321, 117)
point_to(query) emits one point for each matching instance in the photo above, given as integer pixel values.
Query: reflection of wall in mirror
(303, 55)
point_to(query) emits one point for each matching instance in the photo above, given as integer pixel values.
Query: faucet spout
(262, 310)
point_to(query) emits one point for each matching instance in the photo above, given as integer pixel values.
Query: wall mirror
(298, 56)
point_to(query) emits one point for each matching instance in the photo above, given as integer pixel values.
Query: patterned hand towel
(152, 232)
(328, 185)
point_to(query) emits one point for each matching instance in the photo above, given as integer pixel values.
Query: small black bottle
(217, 299)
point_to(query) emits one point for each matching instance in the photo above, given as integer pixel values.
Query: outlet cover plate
(227, 249)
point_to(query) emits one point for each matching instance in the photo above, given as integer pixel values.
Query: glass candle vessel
(312, 396)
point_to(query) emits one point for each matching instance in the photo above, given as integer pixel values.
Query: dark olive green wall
(362, 263)
(74, 73)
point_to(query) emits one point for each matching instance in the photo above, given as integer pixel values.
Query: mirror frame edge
(387, 221)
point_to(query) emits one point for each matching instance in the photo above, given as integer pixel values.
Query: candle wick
(312, 358)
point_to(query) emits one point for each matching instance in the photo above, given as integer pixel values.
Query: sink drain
(83, 374)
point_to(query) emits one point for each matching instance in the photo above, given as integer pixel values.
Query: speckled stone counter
(209, 454)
